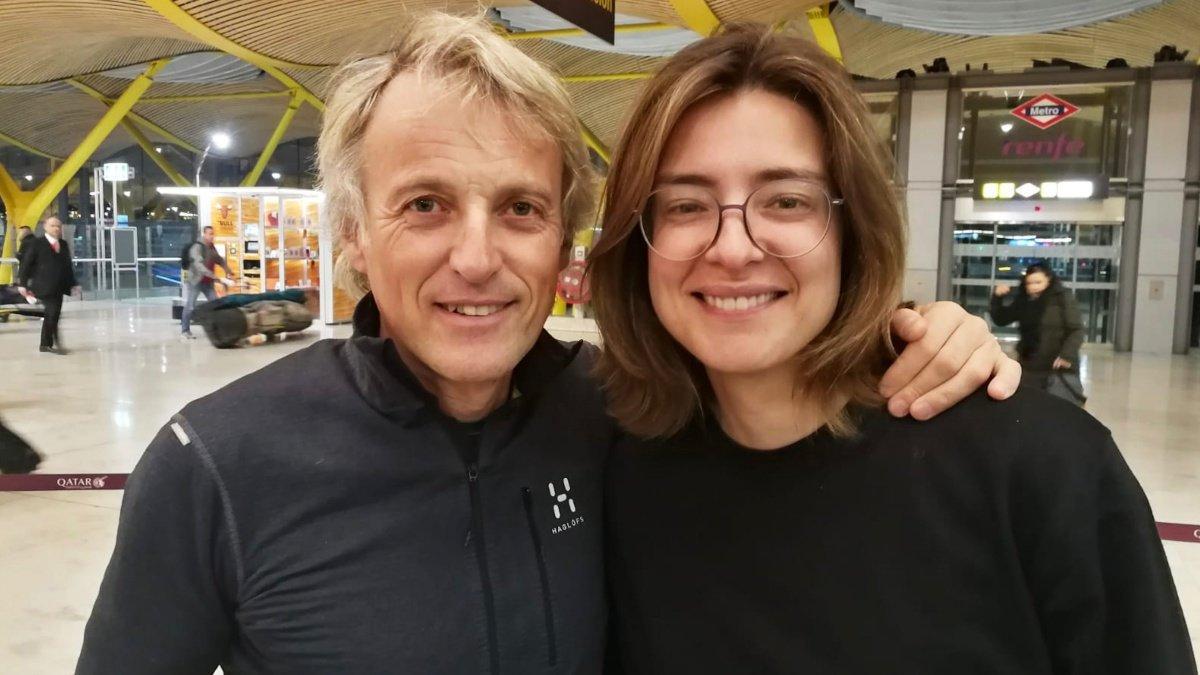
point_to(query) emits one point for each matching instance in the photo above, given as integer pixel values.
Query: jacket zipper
(547, 608)
(485, 578)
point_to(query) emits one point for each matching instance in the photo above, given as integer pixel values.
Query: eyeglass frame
(722, 208)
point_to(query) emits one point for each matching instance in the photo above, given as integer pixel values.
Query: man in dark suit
(47, 273)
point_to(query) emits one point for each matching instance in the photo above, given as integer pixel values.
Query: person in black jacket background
(24, 239)
(47, 272)
(1048, 320)
(16, 455)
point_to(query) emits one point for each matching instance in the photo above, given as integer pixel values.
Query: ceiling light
(28, 176)
(221, 140)
(1006, 127)
(158, 149)
(276, 175)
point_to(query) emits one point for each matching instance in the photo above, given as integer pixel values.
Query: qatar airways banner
(53, 482)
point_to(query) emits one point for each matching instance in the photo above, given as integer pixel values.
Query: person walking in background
(24, 239)
(199, 274)
(47, 273)
(1048, 320)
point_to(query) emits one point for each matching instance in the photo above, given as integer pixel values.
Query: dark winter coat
(1050, 327)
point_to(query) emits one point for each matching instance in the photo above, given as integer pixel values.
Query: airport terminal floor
(128, 372)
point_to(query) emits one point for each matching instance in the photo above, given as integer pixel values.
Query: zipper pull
(472, 473)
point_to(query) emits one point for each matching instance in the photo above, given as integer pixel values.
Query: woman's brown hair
(655, 387)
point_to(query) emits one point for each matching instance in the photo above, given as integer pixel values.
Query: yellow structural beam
(8, 186)
(697, 16)
(822, 28)
(26, 147)
(155, 155)
(238, 96)
(269, 149)
(145, 123)
(56, 181)
(576, 32)
(176, 15)
(16, 203)
(607, 77)
(17, 209)
(25, 207)
(594, 143)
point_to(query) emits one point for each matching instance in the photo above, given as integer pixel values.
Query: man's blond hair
(468, 59)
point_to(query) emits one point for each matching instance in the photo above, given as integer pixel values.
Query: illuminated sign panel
(1045, 111)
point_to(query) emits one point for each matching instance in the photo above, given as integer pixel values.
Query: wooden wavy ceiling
(47, 41)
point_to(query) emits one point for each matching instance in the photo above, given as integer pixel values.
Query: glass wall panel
(1085, 256)
(884, 109)
(1196, 295)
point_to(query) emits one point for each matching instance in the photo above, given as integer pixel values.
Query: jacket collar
(391, 388)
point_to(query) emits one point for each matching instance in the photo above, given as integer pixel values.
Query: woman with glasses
(767, 515)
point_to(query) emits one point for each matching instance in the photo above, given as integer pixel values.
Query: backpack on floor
(226, 327)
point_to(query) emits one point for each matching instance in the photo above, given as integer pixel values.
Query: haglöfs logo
(561, 497)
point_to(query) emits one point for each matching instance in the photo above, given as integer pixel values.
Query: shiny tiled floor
(95, 410)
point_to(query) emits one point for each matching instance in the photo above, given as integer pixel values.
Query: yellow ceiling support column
(145, 123)
(154, 155)
(55, 182)
(269, 149)
(607, 77)
(16, 203)
(822, 28)
(8, 186)
(697, 16)
(271, 66)
(235, 96)
(594, 143)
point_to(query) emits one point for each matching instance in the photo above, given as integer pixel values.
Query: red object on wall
(573, 286)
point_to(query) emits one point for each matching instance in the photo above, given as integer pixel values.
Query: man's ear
(564, 254)
(353, 248)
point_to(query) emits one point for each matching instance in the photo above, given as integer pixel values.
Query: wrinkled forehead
(417, 102)
(421, 133)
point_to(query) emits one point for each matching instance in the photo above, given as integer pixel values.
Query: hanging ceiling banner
(597, 17)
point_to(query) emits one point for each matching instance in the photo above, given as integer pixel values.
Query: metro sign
(1045, 111)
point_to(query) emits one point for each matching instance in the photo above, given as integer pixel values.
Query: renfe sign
(597, 17)
(1045, 111)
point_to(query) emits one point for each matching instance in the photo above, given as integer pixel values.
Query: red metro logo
(1045, 111)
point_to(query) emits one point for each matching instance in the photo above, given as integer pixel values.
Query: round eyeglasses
(785, 218)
